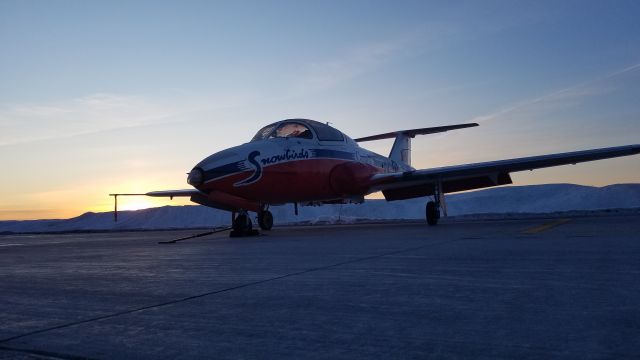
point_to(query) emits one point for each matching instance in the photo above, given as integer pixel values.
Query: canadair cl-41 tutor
(306, 162)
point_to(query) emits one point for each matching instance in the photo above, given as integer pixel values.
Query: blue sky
(97, 97)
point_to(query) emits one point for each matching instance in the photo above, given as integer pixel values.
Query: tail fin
(401, 150)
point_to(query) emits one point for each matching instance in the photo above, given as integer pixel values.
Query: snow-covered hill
(509, 199)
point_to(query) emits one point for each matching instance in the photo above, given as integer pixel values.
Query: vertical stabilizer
(401, 150)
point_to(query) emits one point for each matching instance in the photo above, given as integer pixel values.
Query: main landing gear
(433, 207)
(433, 213)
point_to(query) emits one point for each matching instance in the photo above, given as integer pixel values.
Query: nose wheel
(265, 220)
(242, 226)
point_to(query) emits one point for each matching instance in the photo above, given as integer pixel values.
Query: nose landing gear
(242, 226)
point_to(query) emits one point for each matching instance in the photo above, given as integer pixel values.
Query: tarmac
(511, 289)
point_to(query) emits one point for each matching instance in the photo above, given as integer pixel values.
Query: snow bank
(503, 200)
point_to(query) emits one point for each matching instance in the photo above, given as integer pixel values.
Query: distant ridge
(531, 199)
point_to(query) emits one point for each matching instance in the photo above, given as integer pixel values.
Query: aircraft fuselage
(287, 169)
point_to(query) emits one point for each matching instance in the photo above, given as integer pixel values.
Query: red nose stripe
(295, 181)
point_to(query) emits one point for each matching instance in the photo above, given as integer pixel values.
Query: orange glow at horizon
(79, 199)
(126, 203)
(62, 204)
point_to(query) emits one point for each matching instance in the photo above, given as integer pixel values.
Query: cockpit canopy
(299, 128)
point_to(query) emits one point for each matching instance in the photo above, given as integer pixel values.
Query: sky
(99, 97)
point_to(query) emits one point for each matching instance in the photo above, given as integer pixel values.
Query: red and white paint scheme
(304, 162)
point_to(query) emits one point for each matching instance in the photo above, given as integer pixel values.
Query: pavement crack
(228, 289)
(48, 354)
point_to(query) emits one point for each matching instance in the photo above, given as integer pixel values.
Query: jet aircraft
(306, 162)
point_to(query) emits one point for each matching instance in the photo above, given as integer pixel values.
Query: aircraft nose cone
(195, 177)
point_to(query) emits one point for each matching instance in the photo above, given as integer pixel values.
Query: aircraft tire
(432, 213)
(265, 220)
(242, 224)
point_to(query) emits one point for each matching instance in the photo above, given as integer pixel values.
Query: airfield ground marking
(545, 226)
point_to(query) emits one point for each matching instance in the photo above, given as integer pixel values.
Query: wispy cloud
(21, 123)
(367, 57)
(355, 62)
(624, 71)
(558, 98)
(568, 95)
(99, 112)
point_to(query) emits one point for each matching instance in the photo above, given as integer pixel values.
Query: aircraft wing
(172, 193)
(166, 193)
(405, 185)
(193, 193)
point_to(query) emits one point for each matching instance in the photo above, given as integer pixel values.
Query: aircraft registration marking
(546, 226)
